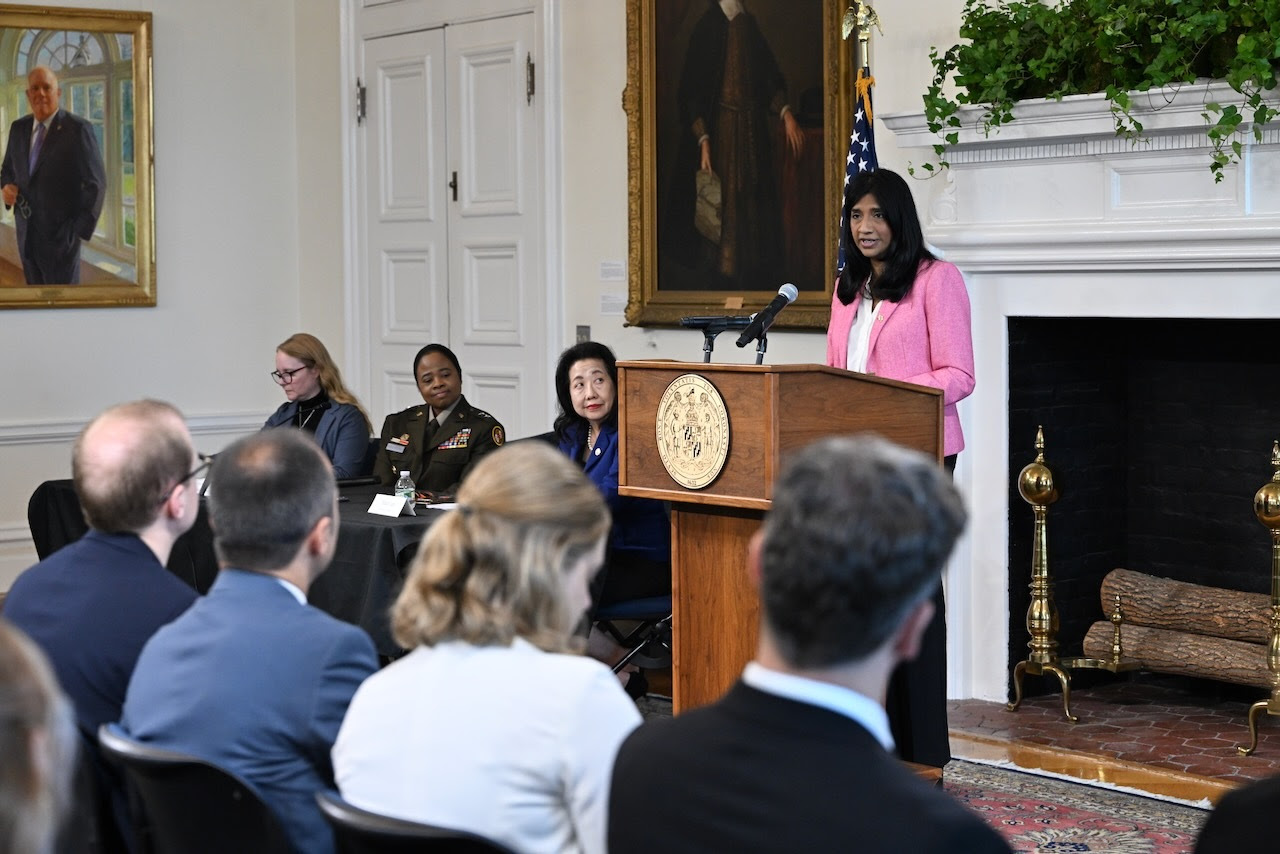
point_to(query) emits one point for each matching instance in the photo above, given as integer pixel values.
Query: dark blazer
(756, 772)
(1242, 821)
(256, 682)
(91, 606)
(65, 193)
(342, 434)
(437, 463)
(640, 525)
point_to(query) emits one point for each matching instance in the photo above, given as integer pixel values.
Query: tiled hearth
(1161, 723)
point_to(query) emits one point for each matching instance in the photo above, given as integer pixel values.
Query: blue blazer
(342, 434)
(65, 192)
(640, 525)
(91, 606)
(256, 682)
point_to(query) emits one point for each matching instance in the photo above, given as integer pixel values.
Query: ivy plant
(1013, 50)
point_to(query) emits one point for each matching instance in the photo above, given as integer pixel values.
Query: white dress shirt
(843, 701)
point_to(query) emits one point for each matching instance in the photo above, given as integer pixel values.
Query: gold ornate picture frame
(675, 266)
(102, 60)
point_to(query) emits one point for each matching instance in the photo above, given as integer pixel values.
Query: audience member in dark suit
(93, 604)
(438, 455)
(37, 747)
(1243, 820)
(252, 678)
(58, 191)
(798, 755)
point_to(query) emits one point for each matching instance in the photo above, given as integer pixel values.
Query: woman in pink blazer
(899, 312)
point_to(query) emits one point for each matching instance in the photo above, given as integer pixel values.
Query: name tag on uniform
(398, 445)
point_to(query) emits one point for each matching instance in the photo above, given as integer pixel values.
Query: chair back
(190, 804)
(359, 831)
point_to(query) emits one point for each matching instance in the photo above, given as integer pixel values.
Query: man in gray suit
(798, 755)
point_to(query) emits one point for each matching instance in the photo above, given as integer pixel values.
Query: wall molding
(62, 431)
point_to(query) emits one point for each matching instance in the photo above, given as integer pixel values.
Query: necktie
(37, 140)
(432, 426)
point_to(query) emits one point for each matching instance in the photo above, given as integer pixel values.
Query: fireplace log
(1185, 654)
(1162, 603)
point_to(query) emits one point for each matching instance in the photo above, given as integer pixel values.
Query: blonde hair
(491, 570)
(307, 348)
(37, 743)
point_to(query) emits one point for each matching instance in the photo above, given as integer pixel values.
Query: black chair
(359, 831)
(642, 627)
(190, 805)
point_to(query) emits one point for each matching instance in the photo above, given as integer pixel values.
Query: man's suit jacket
(439, 462)
(91, 606)
(65, 192)
(1242, 821)
(756, 772)
(256, 682)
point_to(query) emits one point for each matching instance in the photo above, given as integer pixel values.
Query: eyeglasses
(205, 462)
(24, 208)
(286, 377)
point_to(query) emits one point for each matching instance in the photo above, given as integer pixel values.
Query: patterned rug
(1042, 814)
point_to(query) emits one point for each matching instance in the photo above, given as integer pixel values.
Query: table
(359, 586)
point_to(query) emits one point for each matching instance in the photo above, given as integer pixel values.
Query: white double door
(452, 229)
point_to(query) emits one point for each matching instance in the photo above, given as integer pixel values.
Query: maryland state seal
(693, 431)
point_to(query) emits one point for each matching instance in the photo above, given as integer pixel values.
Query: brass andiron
(1266, 506)
(1116, 663)
(1035, 485)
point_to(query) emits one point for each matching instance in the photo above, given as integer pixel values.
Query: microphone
(763, 319)
(716, 322)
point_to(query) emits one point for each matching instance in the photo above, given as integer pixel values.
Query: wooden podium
(773, 409)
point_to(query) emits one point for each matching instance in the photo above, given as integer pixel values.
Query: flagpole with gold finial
(860, 17)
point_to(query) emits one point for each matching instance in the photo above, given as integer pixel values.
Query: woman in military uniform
(439, 442)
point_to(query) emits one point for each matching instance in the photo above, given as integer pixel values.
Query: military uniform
(436, 463)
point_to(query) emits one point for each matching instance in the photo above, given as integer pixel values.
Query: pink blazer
(925, 339)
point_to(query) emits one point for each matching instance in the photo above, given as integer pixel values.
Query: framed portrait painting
(77, 223)
(738, 119)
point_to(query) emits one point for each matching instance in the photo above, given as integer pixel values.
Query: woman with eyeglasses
(320, 404)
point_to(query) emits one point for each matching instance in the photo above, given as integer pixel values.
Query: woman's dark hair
(568, 417)
(906, 249)
(435, 348)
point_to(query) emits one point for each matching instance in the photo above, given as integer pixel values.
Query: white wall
(228, 169)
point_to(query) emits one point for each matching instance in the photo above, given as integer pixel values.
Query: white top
(843, 701)
(512, 743)
(860, 334)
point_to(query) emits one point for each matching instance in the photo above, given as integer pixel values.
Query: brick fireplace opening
(1158, 432)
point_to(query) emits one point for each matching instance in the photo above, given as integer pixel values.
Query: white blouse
(860, 334)
(512, 743)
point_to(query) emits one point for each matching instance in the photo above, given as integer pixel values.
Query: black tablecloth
(359, 586)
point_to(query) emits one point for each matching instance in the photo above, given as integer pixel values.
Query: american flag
(862, 142)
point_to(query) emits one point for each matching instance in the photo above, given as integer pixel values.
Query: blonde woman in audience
(37, 747)
(318, 402)
(494, 724)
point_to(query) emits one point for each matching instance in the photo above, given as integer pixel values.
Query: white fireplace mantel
(1057, 189)
(1056, 216)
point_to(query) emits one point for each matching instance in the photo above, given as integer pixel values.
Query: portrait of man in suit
(54, 178)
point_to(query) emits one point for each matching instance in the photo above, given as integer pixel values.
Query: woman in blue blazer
(319, 403)
(638, 563)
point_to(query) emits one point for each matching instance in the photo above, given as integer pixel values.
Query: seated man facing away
(91, 605)
(252, 678)
(797, 756)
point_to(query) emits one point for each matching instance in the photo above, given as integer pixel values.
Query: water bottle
(405, 487)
